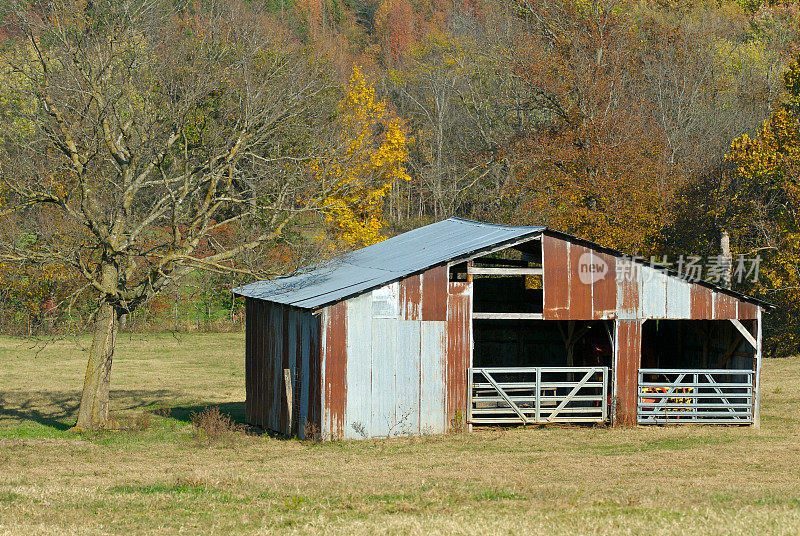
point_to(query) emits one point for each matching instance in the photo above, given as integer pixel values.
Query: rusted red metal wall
(335, 369)
(411, 297)
(624, 289)
(556, 278)
(628, 336)
(459, 345)
(434, 294)
(604, 290)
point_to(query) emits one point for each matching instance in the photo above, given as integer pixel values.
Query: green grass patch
(495, 494)
(174, 489)
(660, 445)
(9, 497)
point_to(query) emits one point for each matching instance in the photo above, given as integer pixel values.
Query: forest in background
(654, 127)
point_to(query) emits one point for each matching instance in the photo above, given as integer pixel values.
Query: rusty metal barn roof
(387, 261)
(412, 252)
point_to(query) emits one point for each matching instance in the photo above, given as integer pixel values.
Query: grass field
(153, 476)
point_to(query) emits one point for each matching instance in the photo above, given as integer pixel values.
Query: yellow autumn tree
(367, 160)
(763, 209)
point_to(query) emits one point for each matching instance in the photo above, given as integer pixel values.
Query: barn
(463, 323)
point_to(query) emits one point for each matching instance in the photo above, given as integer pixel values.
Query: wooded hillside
(253, 137)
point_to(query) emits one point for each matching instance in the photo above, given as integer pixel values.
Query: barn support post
(627, 359)
(289, 398)
(757, 390)
(755, 342)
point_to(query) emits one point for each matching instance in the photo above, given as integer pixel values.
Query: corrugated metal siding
(654, 293)
(384, 374)
(701, 301)
(334, 370)
(628, 338)
(394, 378)
(580, 294)
(747, 310)
(411, 297)
(556, 278)
(249, 360)
(679, 298)
(724, 306)
(629, 290)
(407, 379)
(459, 322)
(274, 370)
(312, 381)
(432, 377)
(358, 408)
(278, 337)
(434, 294)
(604, 291)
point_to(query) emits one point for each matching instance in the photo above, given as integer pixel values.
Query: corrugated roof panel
(415, 251)
(376, 265)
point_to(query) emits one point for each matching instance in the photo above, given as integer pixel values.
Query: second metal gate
(695, 396)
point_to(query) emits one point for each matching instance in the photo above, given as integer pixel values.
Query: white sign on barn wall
(385, 302)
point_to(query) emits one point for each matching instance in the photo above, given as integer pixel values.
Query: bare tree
(144, 132)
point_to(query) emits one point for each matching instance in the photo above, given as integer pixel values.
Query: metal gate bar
(714, 396)
(536, 395)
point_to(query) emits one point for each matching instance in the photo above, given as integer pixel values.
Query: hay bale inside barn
(463, 323)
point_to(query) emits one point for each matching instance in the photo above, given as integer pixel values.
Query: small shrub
(114, 422)
(360, 429)
(164, 412)
(457, 422)
(212, 424)
(312, 432)
(143, 421)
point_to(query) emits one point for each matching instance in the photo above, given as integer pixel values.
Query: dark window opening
(695, 344)
(542, 343)
(506, 281)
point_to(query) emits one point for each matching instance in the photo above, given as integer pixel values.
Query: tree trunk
(727, 257)
(93, 412)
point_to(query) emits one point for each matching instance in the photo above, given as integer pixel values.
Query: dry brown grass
(159, 480)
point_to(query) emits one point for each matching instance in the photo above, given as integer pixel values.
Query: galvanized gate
(538, 395)
(695, 396)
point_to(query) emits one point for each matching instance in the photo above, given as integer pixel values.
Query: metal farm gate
(538, 395)
(695, 396)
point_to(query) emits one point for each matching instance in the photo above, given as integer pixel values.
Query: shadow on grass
(234, 409)
(59, 409)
